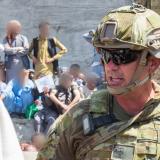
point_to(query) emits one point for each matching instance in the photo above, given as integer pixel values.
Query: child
(37, 142)
(55, 102)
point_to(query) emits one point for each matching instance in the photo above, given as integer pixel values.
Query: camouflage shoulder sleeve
(57, 135)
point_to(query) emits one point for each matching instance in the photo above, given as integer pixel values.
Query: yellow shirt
(42, 68)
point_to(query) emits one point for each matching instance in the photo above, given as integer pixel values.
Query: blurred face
(39, 141)
(23, 74)
(44, 30)
(75, 72)
(91, 84)
(67, 83)
(16, 29)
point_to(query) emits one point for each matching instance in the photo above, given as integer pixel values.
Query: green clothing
(140, 141)
(119, 112)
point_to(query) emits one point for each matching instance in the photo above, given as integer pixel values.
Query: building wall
(69, 20)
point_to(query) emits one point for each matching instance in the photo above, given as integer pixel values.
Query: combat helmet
(133, 27)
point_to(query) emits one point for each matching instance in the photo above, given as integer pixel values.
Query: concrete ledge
(24, 129)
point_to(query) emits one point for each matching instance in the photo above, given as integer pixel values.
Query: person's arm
(57, 101)
(30, 54)
(25, 46)
(12, 50)
(7, 91)
(76, 98)
(25, 42)
(62, 51)
(61, 47)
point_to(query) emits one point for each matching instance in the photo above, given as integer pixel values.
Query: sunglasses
(119, 56)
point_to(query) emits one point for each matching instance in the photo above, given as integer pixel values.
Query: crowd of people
(25, 63)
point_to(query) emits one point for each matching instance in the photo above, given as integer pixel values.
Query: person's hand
(20, 49)
(49, 60)
(38, 102)
(1, 97)
(46, 91)
(65, 107)
(35, 60)
(23, 146)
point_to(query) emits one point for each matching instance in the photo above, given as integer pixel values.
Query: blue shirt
(22, 94)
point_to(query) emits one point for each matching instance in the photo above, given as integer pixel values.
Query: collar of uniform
(156, 97)
(156, 87)
(99, 102)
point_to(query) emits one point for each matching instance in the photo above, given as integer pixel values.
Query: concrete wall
(69, 19)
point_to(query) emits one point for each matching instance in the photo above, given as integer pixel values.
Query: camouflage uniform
(141, 141)
(131, 137)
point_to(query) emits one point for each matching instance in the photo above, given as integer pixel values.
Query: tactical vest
(140, 141)
(51, 50)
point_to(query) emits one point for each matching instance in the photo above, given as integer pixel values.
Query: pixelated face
(39, 141)
(91, 84)
(23, 74)
(75, 72)
(44, 30)
(67, 83)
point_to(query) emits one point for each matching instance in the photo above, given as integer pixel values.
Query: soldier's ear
(153, 64)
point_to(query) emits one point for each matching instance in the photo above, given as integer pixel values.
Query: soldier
(122, 122)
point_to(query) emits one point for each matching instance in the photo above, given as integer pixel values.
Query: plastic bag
(31, 110)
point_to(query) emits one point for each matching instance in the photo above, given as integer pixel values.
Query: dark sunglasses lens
(120, 56)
